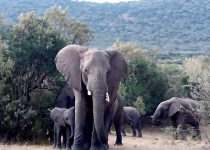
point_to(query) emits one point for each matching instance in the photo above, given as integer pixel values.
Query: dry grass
(152, 140)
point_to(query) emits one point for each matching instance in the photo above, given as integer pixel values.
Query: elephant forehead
(95, 55)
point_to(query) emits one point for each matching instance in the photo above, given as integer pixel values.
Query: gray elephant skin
(132, 117)
(65, 98)
(180, 111)
(95, 76)
(64, 122)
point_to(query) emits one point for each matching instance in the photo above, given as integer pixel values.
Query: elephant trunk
(98, 114)
(72, 129)
(156, 117)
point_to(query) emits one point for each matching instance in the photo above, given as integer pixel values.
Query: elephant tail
(131, 121)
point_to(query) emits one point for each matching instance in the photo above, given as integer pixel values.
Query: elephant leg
(133, 126)
(54, 136)
(123, 130)
(88, 130)
(139, 129)
(180, 122)
(109, 131)
(58, 136)
(80, 116)
(109, 117)
(118, 126)
(95, 142)
(68, 142)
(174, 125)
(196, 133)
(63, 131)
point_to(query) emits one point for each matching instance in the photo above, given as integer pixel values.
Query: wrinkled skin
(69, 119)
(98, 72)
(135, 123)
(59, 127)
(179, 111)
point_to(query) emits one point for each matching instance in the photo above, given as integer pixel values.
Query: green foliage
(180, 133)
(139, 104)
(71, 30)
(173, 26)
(174, 74)
(185, 80)
(143, 78)
(198, 71)
(29, 79)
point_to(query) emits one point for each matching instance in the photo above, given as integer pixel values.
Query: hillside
(171, 25)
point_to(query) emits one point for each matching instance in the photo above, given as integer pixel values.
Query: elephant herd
(63, 116)
(86, 108)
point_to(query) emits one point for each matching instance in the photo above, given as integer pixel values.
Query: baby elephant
(63, 125)
(132, 118)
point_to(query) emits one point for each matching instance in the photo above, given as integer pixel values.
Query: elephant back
(65, 98)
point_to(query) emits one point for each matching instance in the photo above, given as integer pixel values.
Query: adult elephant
(132, 117)
(65, 98)
(180, 111)
(95, 77)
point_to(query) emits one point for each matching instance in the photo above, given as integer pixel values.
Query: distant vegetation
(154, 36)
(174, 26)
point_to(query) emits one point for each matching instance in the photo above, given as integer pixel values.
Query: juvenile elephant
(132, 117)
(180, 111)
(95, 77)
(64, 122)
(69, 119)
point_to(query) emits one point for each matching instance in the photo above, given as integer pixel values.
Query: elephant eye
(66, 118)
(85, 70)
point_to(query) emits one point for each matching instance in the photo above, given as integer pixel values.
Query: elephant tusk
(107, 97)
(151, 116)
(89, 93)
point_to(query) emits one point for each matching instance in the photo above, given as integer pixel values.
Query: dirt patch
(153, 139)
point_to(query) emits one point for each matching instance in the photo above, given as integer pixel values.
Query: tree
(175, 76)
(71, 30)
(33, 44)
(32, 81)
(143, 80)
(198, 70)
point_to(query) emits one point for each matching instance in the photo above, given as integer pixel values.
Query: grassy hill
(172, 25)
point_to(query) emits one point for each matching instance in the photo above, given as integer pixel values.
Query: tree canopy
(144, 83)
(29, 79)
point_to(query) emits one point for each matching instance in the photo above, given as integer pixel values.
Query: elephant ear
(118, 68)
(68, 64)
(57, 116)
(174, 107)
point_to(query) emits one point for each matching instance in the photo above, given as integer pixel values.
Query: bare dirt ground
(151, 140)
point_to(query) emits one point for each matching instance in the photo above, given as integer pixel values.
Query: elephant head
(164, 109)
(69, 119)
(95, 72)
(56, 115)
